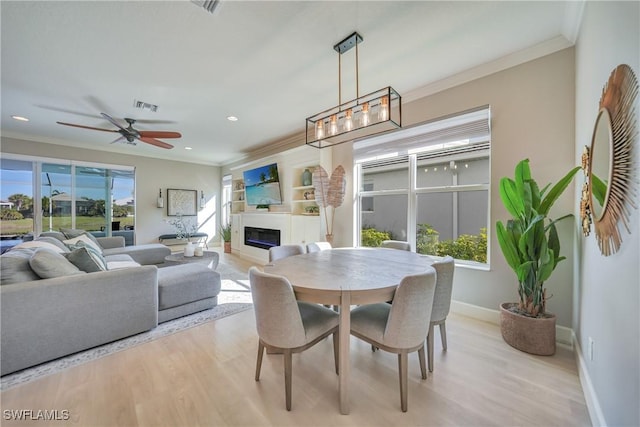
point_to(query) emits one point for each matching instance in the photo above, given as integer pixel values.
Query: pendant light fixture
(366, 115)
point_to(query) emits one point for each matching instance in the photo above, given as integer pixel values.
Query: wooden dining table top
(350, 269)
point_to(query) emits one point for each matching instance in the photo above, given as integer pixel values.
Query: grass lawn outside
(89, 223)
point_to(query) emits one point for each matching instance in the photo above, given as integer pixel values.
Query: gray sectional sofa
(71, 310)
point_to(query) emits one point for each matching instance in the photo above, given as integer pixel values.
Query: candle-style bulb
(333, 125)
(348, 120)
(319, 129)
(364, 118)
(383, 113)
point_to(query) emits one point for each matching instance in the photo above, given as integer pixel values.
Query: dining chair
(399, 327)
(279, 252)
(441, 304)
(285, 325)
(396, 244)
(318, 246)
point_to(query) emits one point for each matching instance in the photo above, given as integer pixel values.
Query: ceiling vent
(208, 5)
(145, 105)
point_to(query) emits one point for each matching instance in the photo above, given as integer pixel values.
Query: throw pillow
(35, 244)
(82, 240)
(49, 264)
(87, 259)
(53, 241)
(72, 233)
(15, 268)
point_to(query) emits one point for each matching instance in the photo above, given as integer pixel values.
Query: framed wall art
(182, 202)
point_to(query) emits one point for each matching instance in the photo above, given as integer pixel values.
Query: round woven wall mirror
(611, 163)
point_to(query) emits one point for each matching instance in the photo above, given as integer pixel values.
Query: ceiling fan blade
(86, 127)
(155, 142)
(119, 139)
(159, 134)
(112, 120)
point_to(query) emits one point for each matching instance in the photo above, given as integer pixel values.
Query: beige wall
(151, 175)
(607, 289)
(532, 108)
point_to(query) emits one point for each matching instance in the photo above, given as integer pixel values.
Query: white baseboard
(590, 397)
(563, 334)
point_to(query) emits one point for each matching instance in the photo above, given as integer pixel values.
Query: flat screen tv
(262, 186)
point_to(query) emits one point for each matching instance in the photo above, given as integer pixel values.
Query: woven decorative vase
(528, 334)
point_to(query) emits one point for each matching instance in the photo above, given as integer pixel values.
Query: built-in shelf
(302, 196)
(237, 196)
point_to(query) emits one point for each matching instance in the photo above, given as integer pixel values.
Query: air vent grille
(145, 105)
(208, 5)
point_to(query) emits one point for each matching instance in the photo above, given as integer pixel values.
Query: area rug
(234, 297)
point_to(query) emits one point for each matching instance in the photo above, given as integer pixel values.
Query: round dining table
(344, 277)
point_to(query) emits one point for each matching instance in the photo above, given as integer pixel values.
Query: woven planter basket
(528, 334)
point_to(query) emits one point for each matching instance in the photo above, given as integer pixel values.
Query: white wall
(151, 175)
(607, 289)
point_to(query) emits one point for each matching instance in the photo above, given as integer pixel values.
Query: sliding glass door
(47, 196)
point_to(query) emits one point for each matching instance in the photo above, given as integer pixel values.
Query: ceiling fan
(131, 135)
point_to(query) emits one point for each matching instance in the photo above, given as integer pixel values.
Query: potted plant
(530, 245)
(225, 233)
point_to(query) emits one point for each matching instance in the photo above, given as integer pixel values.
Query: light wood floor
(204, 377)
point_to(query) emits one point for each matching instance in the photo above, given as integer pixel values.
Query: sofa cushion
(49, 264)
(87, 259)
(35, 244)
(185, 283)
(83, 240)
(15, 268)
(118, 261)
(152, 253)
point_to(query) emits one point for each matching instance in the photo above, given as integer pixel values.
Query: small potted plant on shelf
(530, 245)
(225, 233)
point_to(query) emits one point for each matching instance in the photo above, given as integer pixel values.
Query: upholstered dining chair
(286, 325)
(399, 327)
(441, 304)
(396, 244)
(318, 246)
(279, 252)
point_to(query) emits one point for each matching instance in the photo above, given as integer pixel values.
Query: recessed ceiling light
(188, 148)
(22, 119)
(232, 118)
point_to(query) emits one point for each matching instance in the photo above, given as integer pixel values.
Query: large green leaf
(523, 189)
(510, 198)
(508, 246)
(556, 191)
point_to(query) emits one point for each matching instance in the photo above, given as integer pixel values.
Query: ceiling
(269, 63)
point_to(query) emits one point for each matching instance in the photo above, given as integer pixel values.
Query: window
(226, 199)
(93, 197)
(429, 185)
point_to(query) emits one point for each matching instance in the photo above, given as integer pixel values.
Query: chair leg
(336, 351)
(403, 360)
(423, 366)
(287, 377)
(443, 335)
(259, 360)
(430, 347)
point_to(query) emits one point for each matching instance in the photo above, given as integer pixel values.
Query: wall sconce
(160, 203)
(203, 201)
